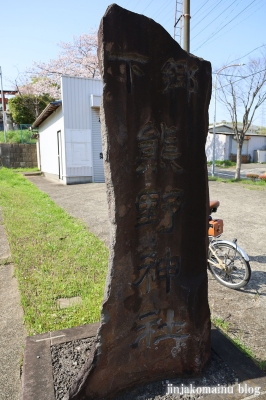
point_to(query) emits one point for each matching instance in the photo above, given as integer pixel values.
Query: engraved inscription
(147, 328)
(130, 60)
(154, 330)
(152, 207)
(170, 150)
(168, 267)
(147, 268)
(152, 268)
(150, 140)
(148, 147)
(171, 203)
(176, 74)
(147, 205)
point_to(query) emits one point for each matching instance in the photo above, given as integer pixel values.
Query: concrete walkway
(12, 332)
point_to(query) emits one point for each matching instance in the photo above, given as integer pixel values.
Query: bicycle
(228, 263)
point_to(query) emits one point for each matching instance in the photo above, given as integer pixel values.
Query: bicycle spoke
(227, 265)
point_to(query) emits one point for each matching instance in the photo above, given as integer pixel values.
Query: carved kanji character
(171, 203)
(168, 267)
(147, 205)
(147, 328)
(148, 268)
(148, 147)
(170, 150)
(174, 74)
(171, 330)
(192, 81)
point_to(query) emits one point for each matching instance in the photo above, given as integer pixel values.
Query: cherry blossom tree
(78, 58)
(39, 86)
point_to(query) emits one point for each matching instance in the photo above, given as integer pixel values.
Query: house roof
(230, 131)
(49, 109)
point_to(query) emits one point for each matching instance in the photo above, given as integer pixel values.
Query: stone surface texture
(18, 155)
(155, 317)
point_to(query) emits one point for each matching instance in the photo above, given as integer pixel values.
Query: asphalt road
(229, 173)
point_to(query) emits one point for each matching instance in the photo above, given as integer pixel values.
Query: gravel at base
(68, 358)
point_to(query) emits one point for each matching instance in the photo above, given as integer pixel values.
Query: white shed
(226, 144)
(69, 143)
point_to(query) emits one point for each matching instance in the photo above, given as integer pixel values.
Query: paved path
(244, 214)
(229, 173)
(12, 332)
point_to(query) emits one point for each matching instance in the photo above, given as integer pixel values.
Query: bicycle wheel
(228, 266)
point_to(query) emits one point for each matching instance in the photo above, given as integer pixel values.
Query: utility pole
(3, 105)
(187, 17)
(178, 25)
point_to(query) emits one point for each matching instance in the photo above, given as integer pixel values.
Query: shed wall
(48, 143)
(79, 95)
(76, 94)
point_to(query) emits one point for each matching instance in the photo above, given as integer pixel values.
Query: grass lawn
(258, 184)
(54, 256)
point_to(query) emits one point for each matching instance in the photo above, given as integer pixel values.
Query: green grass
(224, 163)
(258, 184)
(18, 136)
(54, 255)
(224, 327)
(220, 323)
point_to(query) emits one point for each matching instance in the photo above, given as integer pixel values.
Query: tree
(76, 59)
(39, 86)
(242, 94)
(26, 108)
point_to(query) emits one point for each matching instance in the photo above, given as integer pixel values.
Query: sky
(221, 31)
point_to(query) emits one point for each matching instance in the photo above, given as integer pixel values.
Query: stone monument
(155, 318)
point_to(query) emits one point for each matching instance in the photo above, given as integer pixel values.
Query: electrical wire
(208, 14)
(230, 62)
(162, 7)
(196, 12)
(147, 6)
(244, 77)
(216, 32)
(214, 21)
(134, 9)
(240, 22)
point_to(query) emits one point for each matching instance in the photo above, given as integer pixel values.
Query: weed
(18, 136)
(220, 323)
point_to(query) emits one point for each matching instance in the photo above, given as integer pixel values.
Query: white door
(59, 151)
(97, 155)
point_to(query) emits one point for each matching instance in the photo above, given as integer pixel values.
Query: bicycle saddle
(214, 204)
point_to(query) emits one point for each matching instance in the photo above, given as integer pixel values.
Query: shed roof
(49, 109)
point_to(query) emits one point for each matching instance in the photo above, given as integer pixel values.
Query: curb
(37, 379)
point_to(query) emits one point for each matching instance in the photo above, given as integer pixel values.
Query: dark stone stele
(155, 317)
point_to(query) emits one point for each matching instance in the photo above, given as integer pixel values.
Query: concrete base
(68, 180)
(37, 379)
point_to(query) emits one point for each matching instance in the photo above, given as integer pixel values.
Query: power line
(244, 77)
(214, 21)
(207, 14)
(196, 12)
(162, 7)
(216, 32)
(247, 54)
(136, 5)
(236, 24)
(147, 6)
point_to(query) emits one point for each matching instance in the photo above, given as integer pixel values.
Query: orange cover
(215, 227)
